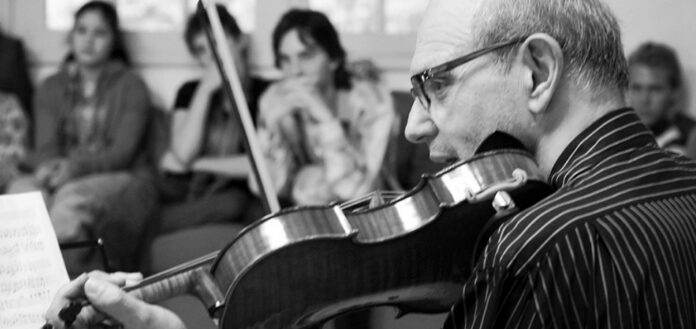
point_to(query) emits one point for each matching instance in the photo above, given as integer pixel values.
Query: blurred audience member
(13, 137)
(90, 120)
(14, 71)
(324, 132)
(656, 93)
(206, 168)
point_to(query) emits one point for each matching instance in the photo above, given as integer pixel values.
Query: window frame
(161, 49)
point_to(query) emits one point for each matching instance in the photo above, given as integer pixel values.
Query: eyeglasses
(418, 80)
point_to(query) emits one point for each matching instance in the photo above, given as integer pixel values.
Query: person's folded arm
(234, 166)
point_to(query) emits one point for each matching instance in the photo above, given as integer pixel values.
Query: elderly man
(614, 247)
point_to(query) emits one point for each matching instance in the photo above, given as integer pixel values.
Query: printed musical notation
(31, 265)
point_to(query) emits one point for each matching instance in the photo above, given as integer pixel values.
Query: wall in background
(164, 62)
(161, 57)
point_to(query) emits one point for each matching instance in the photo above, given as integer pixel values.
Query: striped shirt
(613, 247)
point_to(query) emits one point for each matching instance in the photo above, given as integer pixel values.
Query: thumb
(126, 309)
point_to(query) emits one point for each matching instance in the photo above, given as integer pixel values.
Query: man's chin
(447, 155)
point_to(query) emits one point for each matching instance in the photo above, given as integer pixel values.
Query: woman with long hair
(90, 119)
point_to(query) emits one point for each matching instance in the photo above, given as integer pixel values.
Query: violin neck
(192, 278)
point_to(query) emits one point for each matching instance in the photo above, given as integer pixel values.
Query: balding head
(444, 31)
(557, 66)
(587, 31)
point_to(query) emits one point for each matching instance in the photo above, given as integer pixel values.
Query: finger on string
(120, 279)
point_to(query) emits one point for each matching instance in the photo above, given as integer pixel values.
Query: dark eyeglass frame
(418, 80)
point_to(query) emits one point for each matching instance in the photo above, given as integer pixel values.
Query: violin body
(303, 266)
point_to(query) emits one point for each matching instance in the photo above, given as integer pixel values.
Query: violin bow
(232, 86)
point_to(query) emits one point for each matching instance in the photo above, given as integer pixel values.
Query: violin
(303, 266)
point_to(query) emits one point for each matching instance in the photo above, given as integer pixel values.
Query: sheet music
(31, 265)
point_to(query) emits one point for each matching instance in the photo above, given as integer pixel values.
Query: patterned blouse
(13, 137)
(335, 161)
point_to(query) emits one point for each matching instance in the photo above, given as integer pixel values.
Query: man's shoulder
(545, 229)
(533, 230)
(573, 210)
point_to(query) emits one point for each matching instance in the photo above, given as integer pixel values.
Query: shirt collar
(614, 132)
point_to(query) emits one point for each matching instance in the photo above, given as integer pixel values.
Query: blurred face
(91, 39)
(308, 61)
(650, 93)
(468, 103)
(203, 54)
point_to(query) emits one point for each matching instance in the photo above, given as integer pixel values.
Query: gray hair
(587, 31)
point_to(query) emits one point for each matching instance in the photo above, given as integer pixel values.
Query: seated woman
(206, 167)
(90, 121)
(324, 132)
(14, 128)
(14, 71)
(15, 107)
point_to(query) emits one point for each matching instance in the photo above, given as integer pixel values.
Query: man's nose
(419, 126)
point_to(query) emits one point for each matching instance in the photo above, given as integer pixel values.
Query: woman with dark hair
(14, 71)
(15, 103)
(324, 132)
(90, 120)
(205, 169)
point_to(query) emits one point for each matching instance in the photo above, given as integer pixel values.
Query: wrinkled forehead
(444, 33)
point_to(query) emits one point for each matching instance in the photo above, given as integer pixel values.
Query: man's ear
(543, 59)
